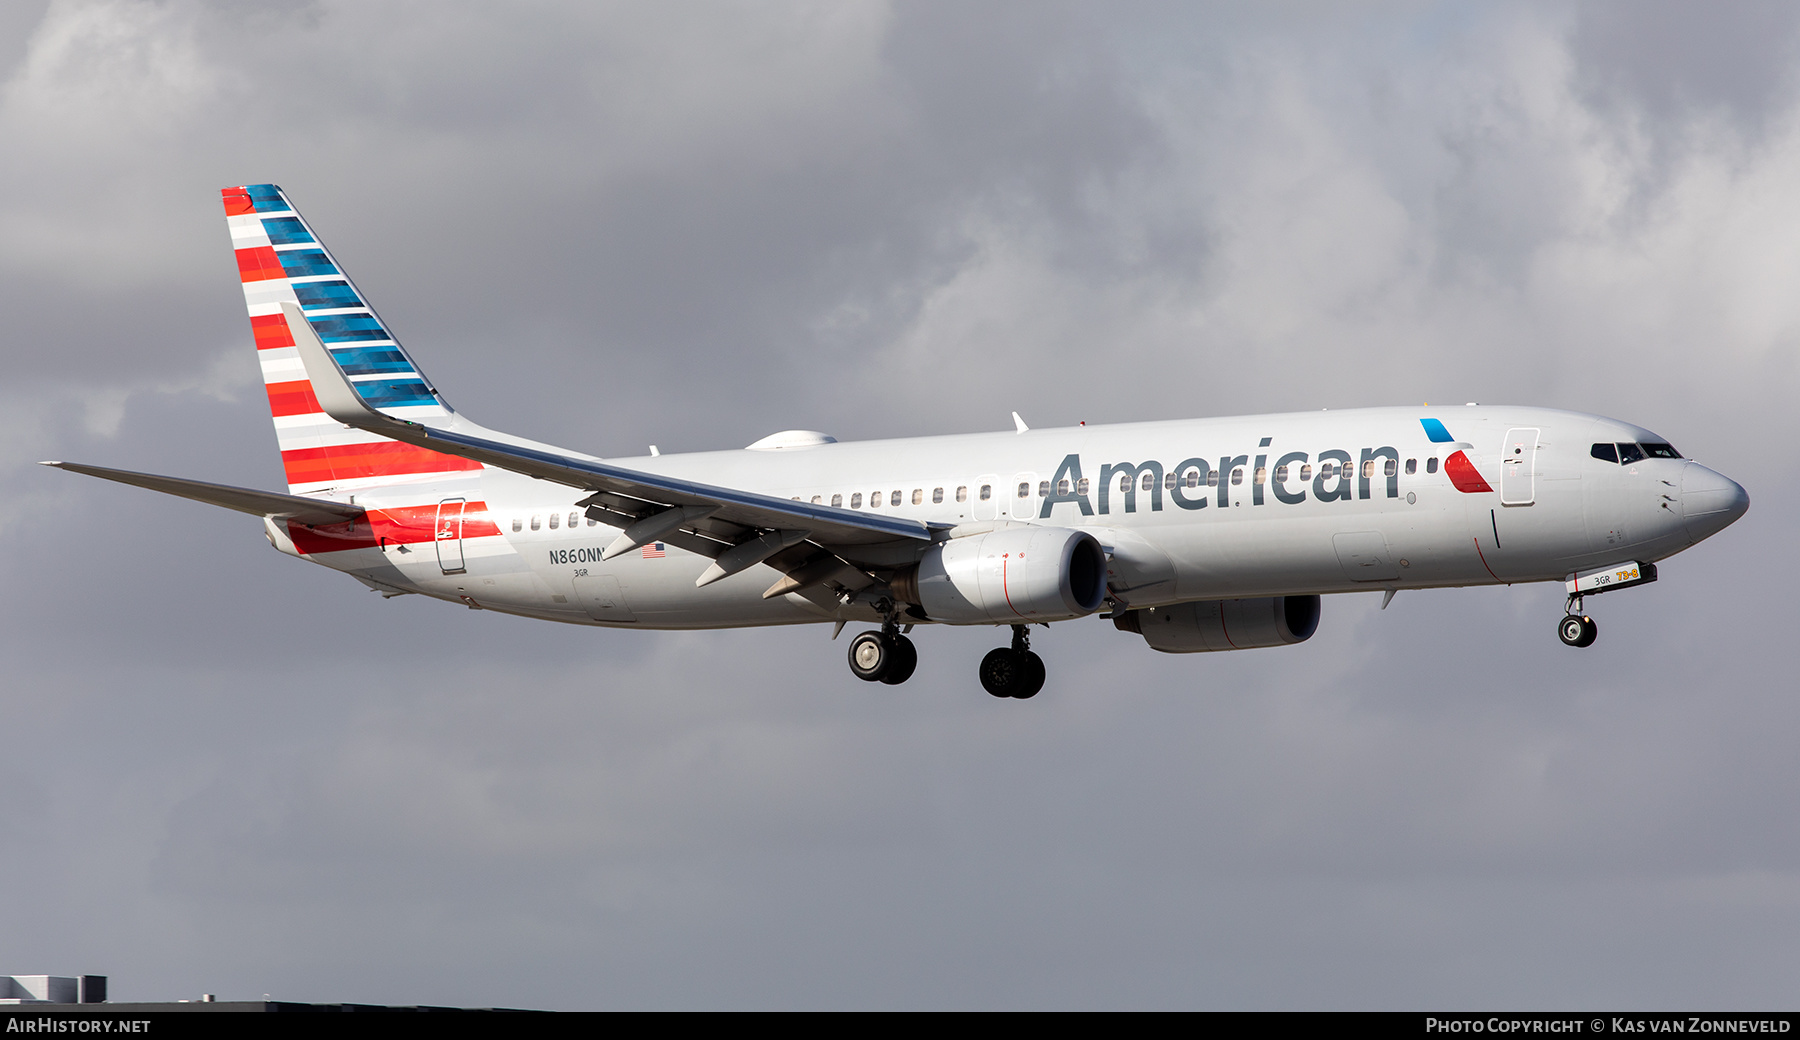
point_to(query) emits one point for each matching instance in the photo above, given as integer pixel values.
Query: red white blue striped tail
(281, 261)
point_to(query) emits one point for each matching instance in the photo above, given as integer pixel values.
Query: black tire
(1577, 630)
(1001, 671)
(870, 657)
(1032, 678)
(906, 658)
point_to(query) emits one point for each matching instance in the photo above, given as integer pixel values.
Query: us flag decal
(654, 551)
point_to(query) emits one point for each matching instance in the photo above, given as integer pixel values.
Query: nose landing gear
(1013, 671)
(1576, 629)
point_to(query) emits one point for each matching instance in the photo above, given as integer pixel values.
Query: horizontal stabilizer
(244, 500)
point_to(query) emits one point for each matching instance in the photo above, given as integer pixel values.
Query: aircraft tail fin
(281, 261)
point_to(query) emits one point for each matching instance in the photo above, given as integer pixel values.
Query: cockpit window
(1625, 453)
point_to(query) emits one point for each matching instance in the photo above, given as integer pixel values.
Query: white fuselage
(1238, 507)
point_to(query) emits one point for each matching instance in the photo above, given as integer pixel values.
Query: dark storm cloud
(1670, 59)
(610, 225)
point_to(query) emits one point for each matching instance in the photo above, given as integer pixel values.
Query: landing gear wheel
(1033, 678)
(1000, 671)
(905, 659)
(1578, 630)
(871, 656)
(1006, 672)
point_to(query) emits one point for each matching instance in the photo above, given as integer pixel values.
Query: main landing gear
(1577, 629)
(885, 656)
(888, 657)
(1013, 671)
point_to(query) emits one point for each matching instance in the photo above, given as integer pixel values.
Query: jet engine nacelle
(1010, 576)
(1224, 624)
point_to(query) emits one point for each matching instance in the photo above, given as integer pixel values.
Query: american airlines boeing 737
(1194, 535)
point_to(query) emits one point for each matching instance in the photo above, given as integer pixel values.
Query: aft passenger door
(449, 535)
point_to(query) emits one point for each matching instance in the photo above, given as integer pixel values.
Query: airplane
(1197, 535)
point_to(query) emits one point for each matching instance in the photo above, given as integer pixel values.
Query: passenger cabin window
(1390, 468)
(1281, 474)
(1412, 466)
(838, 501)
(1431, 465)
(817, 498)
(894, 500)
(1305, 472)
(1191, 478)
(1212, 478)
(1081, 486)
(1043, 489)
(518, 525)
(1024, 489)
(574, 519)
(554, 517)
(1149, 481)
(962, 493)
(1237, 476)
(918, 496)
(1262, 474)
(534, 523)
(856, 500)
(1124, 484)
(987, 492)
(1062, 486)
(874, 500)
(937, 496)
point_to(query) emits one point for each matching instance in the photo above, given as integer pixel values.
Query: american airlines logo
(1194, 483)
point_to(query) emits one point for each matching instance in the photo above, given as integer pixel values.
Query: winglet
(1020, 423)
(339, 399)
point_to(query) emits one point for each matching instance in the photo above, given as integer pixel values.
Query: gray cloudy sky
(609, 225)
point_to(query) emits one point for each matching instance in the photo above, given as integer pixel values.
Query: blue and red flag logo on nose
(1457, 466)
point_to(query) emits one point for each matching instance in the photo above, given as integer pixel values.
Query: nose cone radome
(1710, 502)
